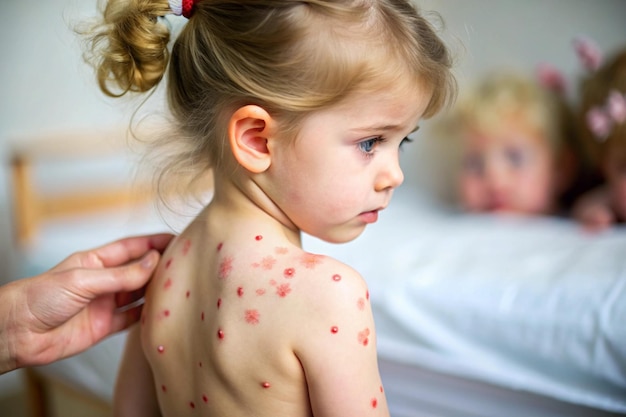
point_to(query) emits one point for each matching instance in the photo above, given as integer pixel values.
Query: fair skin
(507, 170)
(77, 303)
(600, 208)
(240, 320)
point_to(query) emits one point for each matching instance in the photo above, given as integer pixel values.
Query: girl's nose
(390, 177)
(496, 175)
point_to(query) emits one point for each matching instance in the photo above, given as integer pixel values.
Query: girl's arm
(338, 351)
(135, 395)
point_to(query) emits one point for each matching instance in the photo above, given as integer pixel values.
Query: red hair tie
(182, 7)
(188, 8)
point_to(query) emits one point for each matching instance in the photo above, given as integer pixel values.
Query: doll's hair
(595, 92)
(503, 95)
(290, 57)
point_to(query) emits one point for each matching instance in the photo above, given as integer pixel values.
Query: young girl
(603, 126)
(514, 149)
(300, 108)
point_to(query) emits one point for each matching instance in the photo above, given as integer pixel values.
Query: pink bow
(551, 78)
(601, 120)
(588, 53)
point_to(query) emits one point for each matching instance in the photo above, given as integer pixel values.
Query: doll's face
(510, 170)
(615, 172)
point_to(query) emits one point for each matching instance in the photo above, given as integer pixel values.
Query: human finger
(130, 248)
(91, 283)
(116, 253)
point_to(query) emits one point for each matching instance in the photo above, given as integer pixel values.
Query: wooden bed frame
(31, 207)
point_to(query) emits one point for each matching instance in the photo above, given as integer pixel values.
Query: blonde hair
(594, 92)
(504, 95)
(290, 57)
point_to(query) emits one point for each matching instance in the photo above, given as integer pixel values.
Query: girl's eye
(474, 164)
(367, 146)
(516, 157)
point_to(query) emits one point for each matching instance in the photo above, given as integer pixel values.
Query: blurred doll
(602, 120)
(514, 157)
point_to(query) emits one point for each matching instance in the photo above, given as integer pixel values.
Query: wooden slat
(80, 203)
(25, 207)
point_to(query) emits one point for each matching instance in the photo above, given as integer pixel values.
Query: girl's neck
(242, 198)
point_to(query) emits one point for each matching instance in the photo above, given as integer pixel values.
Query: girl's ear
(249, 129)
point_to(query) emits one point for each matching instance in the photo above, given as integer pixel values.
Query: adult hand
(76, 304)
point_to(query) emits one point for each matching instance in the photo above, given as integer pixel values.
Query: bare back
(238, 319)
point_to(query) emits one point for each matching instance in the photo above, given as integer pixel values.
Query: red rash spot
(252, 316)
(219, 302)
(367, 295)
(281, 250)
(334, 329)
(266, 384)
(283, 289)
(187, 294)
(220, 334)
(310, 260)
(202, 316)
(360, 304)
(168, 263)
(160, 349)
(374, 402)
(381, 388)
(205, 398)
(163, 388)
(240, 291)
(191, 404)
(186, 246)
(219, 246)
(268, 262)
(337, 277)
(226, 267)
(363, 337)
(199, 364)
(288, 273)
(166, 313)
(260, 291)
(272, 282)
(168, 283)
(258, 237)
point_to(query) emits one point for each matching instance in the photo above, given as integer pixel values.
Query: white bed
(475, 316)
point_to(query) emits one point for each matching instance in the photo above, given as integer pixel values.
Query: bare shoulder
(331, 282)
(334, 299)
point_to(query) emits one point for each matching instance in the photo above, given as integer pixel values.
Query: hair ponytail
(128, 48)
